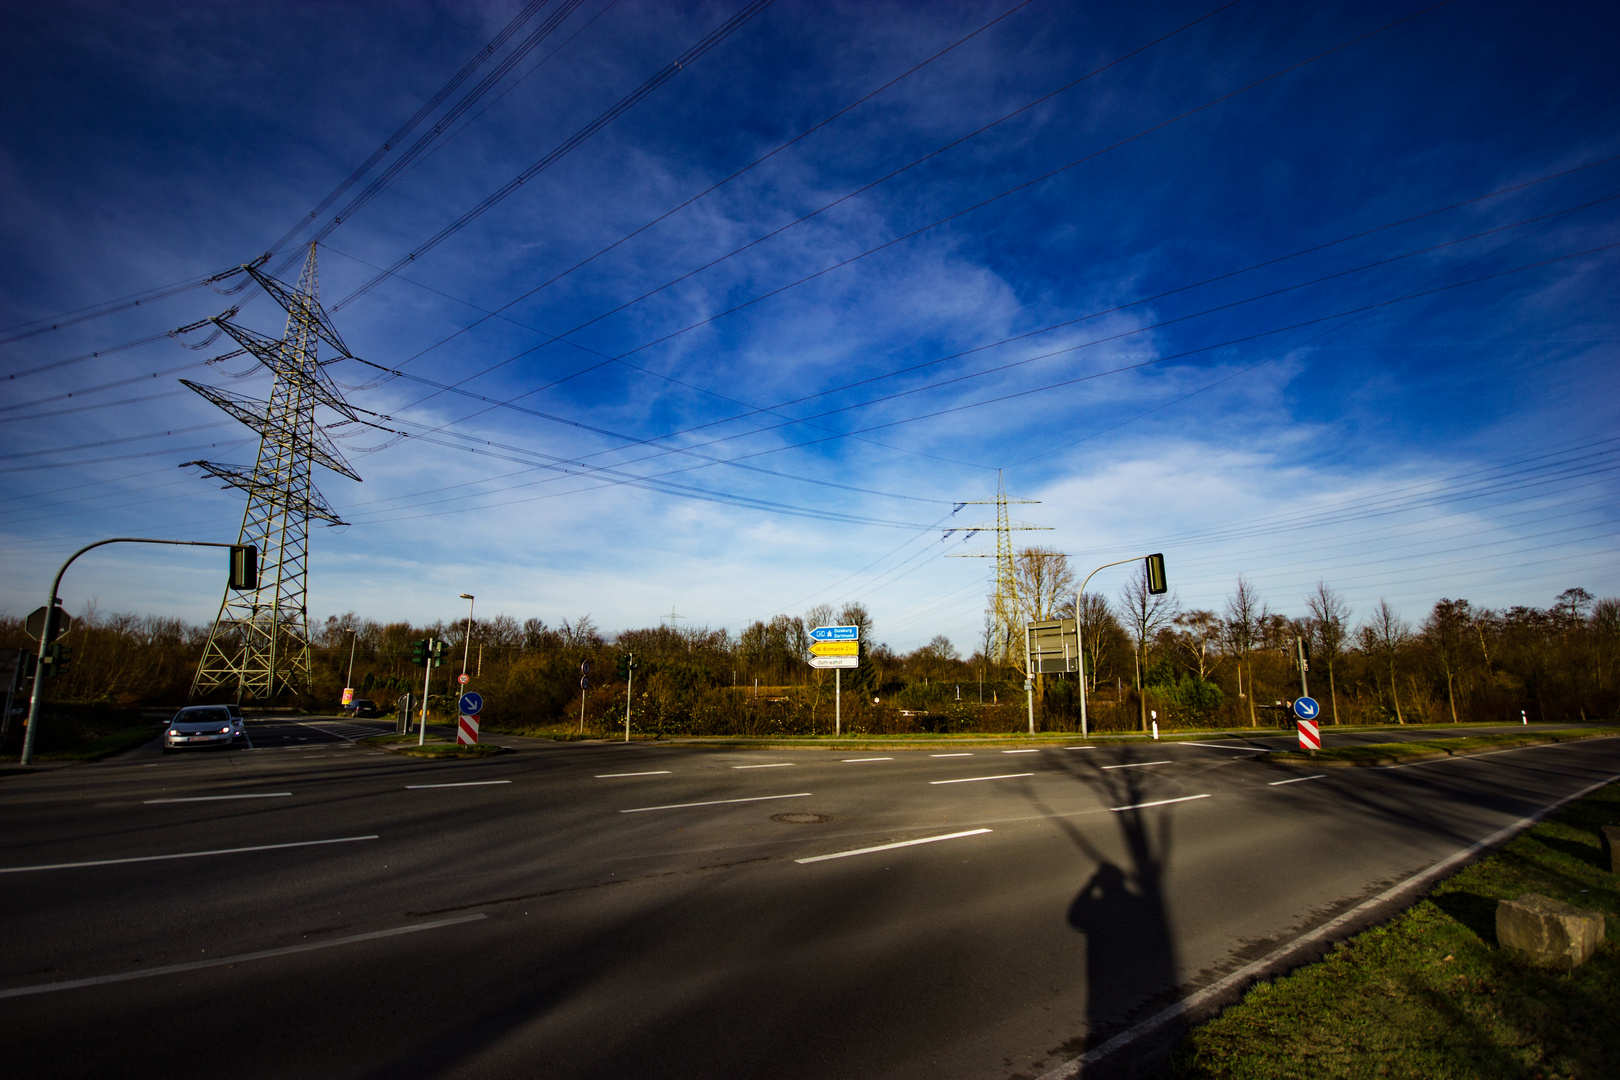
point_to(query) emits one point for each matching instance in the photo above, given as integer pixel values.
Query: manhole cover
(800, 819)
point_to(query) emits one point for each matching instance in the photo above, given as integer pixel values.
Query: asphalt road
(312, 907)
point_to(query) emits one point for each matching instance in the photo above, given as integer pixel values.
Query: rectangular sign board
(836, 648)
(1054, 646)
(835, 661)
(836, 633)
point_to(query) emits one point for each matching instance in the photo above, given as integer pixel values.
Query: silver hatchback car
(200, 725)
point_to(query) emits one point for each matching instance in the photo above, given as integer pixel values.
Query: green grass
(1431, 995)
(96, 744)
(1394, 753)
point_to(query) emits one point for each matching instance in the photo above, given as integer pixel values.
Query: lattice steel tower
(1006, 611)
(260, 640)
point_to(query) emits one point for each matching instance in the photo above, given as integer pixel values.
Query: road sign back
(35, 623)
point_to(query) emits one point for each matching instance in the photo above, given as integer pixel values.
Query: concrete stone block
(1550, 931)
(1610, 835)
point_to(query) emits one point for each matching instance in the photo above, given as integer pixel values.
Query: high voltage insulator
(260, 640)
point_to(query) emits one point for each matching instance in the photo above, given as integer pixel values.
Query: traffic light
(56, 660)
(626, 662)
(1155, 575)
(420, 650)
(244, 567)
(441, 649)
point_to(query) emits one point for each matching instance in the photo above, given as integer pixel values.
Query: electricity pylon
(260, 639)
(1005, 610)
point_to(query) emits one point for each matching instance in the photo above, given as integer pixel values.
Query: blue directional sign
(471, 704)
(836, 633)
(1306, 708)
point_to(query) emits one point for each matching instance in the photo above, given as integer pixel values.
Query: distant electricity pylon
(1005, 610)
(260, 640)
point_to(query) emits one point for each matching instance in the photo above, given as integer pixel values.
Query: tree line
(1146, 657)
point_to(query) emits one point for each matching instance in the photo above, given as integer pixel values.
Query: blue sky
(1300, 294)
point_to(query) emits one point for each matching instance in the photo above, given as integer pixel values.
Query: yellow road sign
(836, 648)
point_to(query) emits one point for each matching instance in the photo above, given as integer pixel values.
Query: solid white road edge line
(1137, 764)
(1157, 802)
(609, 775)
(1296, 779)
(768, 765)
(715, 802)
(241, 958)
(891, 847)
(462, 783)
(221, 798)
(1071, 1069)
(971, 779)
(181, 855)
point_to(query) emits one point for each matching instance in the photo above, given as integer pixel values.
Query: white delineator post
(1309, 737)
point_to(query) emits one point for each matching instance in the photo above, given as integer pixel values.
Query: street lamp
(466, 646)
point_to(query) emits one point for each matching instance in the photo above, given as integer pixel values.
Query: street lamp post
(466, 645)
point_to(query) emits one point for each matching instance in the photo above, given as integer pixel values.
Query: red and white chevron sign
(1309, 737)
(467, 730)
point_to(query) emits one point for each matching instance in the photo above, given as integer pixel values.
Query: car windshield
(202, 716)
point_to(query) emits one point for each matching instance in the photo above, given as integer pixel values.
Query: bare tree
(1445, 630)
(1095, 625)
(1200, 637)
(1330, 623)
(1388, 633)
(1044, 581)
(856, 615)
(1145, 615)
(1246, 615)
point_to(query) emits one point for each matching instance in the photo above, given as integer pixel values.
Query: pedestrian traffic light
(56, 660)
(244, 567)
(1155, 575)
(419, 651)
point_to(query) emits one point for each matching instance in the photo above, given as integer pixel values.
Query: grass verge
(1431, 995)
(1395, 753)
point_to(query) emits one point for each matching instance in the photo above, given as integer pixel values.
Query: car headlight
(173, 731)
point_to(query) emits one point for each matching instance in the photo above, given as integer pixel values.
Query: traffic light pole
(630, 682)
(427, 679)
(1080, 634)
(48, 631)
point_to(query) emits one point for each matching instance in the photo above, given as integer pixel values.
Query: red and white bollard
(1309, 737)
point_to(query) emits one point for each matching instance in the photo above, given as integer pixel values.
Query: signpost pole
(838, 701)
(629, 683)
(1082, 679)
(1299, 649)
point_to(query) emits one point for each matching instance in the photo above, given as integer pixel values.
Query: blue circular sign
(1306, 708)
(471, 704)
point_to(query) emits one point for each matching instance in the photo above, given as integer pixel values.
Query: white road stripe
(221, 798)
(1160, 802)
(463, 783)
(1079, 748)
(1020, 751)
(891, 847)
(971, 779)
(854, 759)
(1138, 764)
(181, 855)
(964, 754)
(1296, 779)
(771, 765)
(715, 802)
(610, 775)
(240, 958)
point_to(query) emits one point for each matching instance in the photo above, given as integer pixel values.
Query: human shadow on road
(1131, 957)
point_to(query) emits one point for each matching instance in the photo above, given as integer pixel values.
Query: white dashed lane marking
(891, 847)
(972, 779)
